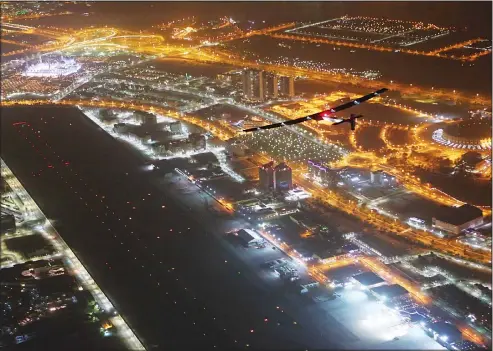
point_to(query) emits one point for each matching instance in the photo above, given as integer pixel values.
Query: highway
(332, 199)
(436, 53)
(201, 53)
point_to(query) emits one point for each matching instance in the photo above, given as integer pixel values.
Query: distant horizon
(476, 16)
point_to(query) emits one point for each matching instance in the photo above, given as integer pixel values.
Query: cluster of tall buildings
(262, 86)
(278, 177)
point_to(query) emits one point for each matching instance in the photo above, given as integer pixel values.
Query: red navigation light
(50, 166)
(67, 163)
(18, 123)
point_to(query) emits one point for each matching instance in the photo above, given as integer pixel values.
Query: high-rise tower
(283, 177)
(266, 176)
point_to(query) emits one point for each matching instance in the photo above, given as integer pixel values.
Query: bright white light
(53, 69)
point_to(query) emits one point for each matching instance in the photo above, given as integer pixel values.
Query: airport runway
(166, 272)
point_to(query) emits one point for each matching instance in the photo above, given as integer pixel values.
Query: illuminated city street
(330, 169)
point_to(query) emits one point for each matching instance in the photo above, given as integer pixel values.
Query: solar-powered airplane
(319, 116)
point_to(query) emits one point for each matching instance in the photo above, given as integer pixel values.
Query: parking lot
(258, 259)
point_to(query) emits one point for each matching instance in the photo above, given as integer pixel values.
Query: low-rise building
(389, 293)
(176, 128)
(368, 280)
(108, 117)
(456, 219)
(304, 221)
(376, 177)
(197, 141)
(224, 78)
(264, 214)
(146, 118)
(160, 136)
(7, 224)
(249, 237)
(121, 128)
(238, 150)
(322, 173)
(179, 146)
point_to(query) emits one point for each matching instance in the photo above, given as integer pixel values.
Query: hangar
(249, 237)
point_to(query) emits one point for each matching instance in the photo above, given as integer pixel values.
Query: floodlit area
(375, 325)
(476, 241)
(368, 196)
(297, 194)
(54, 68)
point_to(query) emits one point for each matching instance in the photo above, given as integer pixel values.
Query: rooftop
(248, 235)
(319, 247)
(304, 218)
(459, 215)
(390, 291)
(205, 158)
(282, 167)
(268, 165)
(368, 278)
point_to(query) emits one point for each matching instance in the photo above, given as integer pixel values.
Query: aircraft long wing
(320, 115)
(281, 124)
(340, 122)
